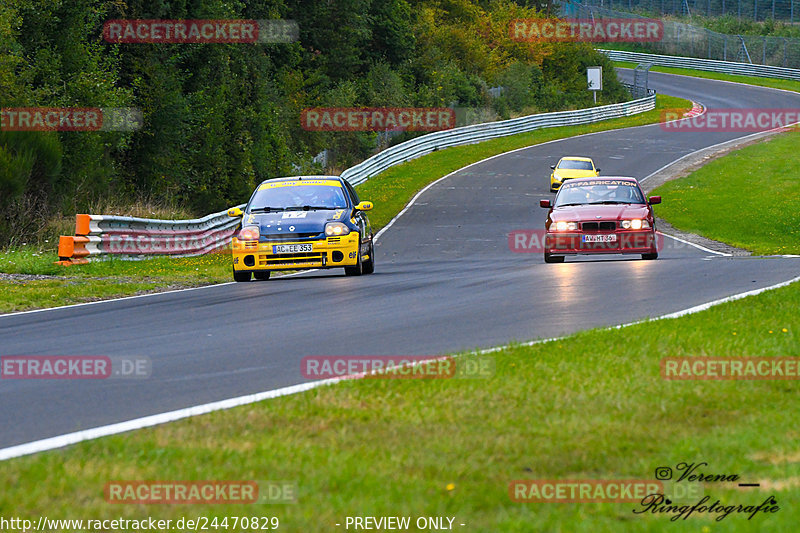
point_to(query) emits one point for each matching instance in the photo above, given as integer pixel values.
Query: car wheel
(369, 265)
(650, 256)
(553, 258)
(358, 268)
(241, 277)
(261, 276)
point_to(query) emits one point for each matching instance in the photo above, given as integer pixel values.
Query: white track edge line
(61, 441)
(699, 247)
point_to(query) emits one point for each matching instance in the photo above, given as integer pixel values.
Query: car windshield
(291, 195)
(616, 192)
(571, 164)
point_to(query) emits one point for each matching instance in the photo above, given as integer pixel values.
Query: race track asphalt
(445, 281)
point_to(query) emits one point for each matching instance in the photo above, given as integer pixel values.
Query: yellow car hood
(562, 173)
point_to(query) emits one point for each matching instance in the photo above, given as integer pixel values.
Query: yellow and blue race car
(570, 167)
(299, 223)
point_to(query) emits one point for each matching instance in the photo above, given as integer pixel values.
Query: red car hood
(599, 212)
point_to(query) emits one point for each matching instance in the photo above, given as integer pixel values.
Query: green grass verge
(44, 284)
(389, 191)
(749, 198)
(774, 83)
(590, 406)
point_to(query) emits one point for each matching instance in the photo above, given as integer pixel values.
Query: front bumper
(627, 242)
(331, 252)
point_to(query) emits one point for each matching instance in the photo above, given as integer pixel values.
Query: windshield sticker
(598, 182)
(275, 185)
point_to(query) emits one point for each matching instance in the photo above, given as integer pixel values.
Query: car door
(361, 219)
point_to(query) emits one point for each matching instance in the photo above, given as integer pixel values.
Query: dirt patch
(19, 278)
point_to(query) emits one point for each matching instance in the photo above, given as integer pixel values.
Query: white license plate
(291, 248)
(599, 238)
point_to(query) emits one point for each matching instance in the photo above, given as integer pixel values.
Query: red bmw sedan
(603, 215)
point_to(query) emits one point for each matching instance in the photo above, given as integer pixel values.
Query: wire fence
(694, 41)
(785, 10)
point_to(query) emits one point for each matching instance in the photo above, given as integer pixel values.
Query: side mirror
(553, 167)
(597, 170)
(544, 203)
(364, 206)
(235, 212)
(654, 200)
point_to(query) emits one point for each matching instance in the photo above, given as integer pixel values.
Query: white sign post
(594, 79)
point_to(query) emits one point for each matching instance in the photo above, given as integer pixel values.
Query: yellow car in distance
(570, 167)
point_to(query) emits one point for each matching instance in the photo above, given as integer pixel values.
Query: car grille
(599, 226)
(286, 236)
(291, 259)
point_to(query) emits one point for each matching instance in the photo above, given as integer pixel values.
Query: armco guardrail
(132, 238)
(711, 65)
(426, 144)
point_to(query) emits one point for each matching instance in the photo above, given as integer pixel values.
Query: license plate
(291, 248)
(599, 238)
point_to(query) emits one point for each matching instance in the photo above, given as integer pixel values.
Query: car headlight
(636, 223)
(249, 233)
(335, 229)
(563, 226)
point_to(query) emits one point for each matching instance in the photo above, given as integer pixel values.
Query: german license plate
(291, 248)
(599, 238)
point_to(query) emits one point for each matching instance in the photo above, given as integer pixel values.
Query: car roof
(576, 158)
(293, 178)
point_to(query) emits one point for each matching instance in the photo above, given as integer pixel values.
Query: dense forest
(218, 118)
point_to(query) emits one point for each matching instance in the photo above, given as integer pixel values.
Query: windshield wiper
(565, 205)
(608, 202)
(266, 209)
(308, 207)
